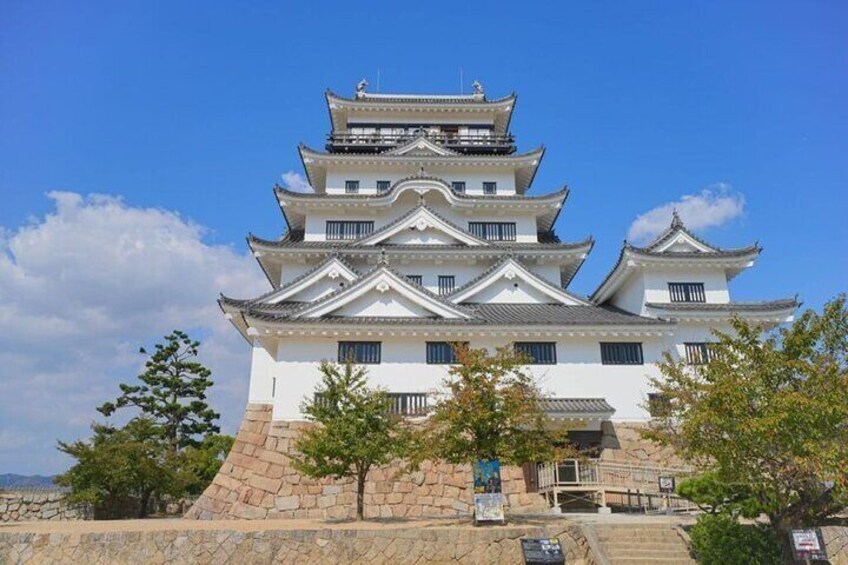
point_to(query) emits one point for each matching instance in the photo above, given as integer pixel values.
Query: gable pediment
(510, 282)
(421, 147)
(383, 293)
(682, 242)
(323, 280)
(422, 226)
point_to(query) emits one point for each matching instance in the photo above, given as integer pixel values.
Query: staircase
(641, 544)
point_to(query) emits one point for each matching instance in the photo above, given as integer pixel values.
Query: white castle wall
(578, 373)
(368, 178)
(652, 286)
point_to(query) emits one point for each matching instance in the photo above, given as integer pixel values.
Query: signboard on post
(542, 552)
(666, 484)
(488, 499)
(808, 545)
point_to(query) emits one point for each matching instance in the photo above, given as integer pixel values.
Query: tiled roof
(576, 405)
(370, 97)
(412, 211)
(563, 192)
(294, 239)
(760, 306)
(481, 314)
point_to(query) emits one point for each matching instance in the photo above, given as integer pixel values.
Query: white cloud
(713, 206)
(296, 182)
(80, 290)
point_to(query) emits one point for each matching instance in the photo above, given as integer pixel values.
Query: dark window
(446, 284)
(417, 279)
(539, 352)
(490, 188)
(383, 186)
(442, 352)
(458, 186)
(346, 229)
(623, 353)
(687, 292)
(658, 405)
(351, 186)
(365, 352)
(493, 231)
(697, 353)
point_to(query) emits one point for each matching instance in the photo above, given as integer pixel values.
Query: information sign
(542, 551)
(666, 484)
(808, 545)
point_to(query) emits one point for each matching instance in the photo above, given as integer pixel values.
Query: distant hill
(11, 480)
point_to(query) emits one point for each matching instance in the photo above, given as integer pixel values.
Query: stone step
(644, 544)
(679, 553)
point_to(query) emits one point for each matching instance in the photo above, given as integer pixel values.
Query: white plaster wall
(652, 286)
(578, 374)
(368, 177)
(515, 291)
(389, 304)
(318, 289)
(315, 228)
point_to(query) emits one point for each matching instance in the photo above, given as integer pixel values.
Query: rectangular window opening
(417, 279)
(458, 186)
(697, 353)
(621, 353)
(383, 186)
(442, 352)
(362, 352)
(493, 231)
(351, 186)
(687, 292)
(490, 188)
(348, 229)
(538, 352)
(446, 284)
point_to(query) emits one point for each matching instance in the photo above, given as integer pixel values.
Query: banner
(488, 498)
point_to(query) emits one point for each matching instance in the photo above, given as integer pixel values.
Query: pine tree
(173, 393)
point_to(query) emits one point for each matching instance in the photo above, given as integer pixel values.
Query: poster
(808, 545)
(488, 498)
(487, 476)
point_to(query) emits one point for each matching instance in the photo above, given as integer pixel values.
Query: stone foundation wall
(257, 481)
(622, 443)
(232, 544)
(29, 506)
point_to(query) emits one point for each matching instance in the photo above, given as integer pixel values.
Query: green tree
(199, 464)
(715, 496)
(768, 415)
(118, 465)
(491, 410)
(355, 430)
(172, 393)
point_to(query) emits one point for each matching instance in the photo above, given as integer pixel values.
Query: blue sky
(190, 111)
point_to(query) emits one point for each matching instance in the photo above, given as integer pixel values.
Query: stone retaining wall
(28, 506)
(232, 545)
(257, 481)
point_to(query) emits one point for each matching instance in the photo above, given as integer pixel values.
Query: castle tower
(421, 232)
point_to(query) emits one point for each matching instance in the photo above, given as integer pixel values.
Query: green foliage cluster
(170, 448)
(768, 416)
(490, 411)
(719, 539)
(356, 430)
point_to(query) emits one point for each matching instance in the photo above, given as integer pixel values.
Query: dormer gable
(420, 146)
(383, 293)
(509, 282)
(422, 226)
(328, 277)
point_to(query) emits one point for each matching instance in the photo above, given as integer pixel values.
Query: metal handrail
(597, 473)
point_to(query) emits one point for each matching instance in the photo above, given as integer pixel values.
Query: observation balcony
(489, 143)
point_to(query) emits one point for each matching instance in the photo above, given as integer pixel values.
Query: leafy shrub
(718, 539)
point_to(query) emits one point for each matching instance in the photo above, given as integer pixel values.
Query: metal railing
(597, 473)
(452, 140)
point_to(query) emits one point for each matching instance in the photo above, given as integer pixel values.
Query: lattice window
(687, 292)
(537, 352)
(621, 353)
(364, 352)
